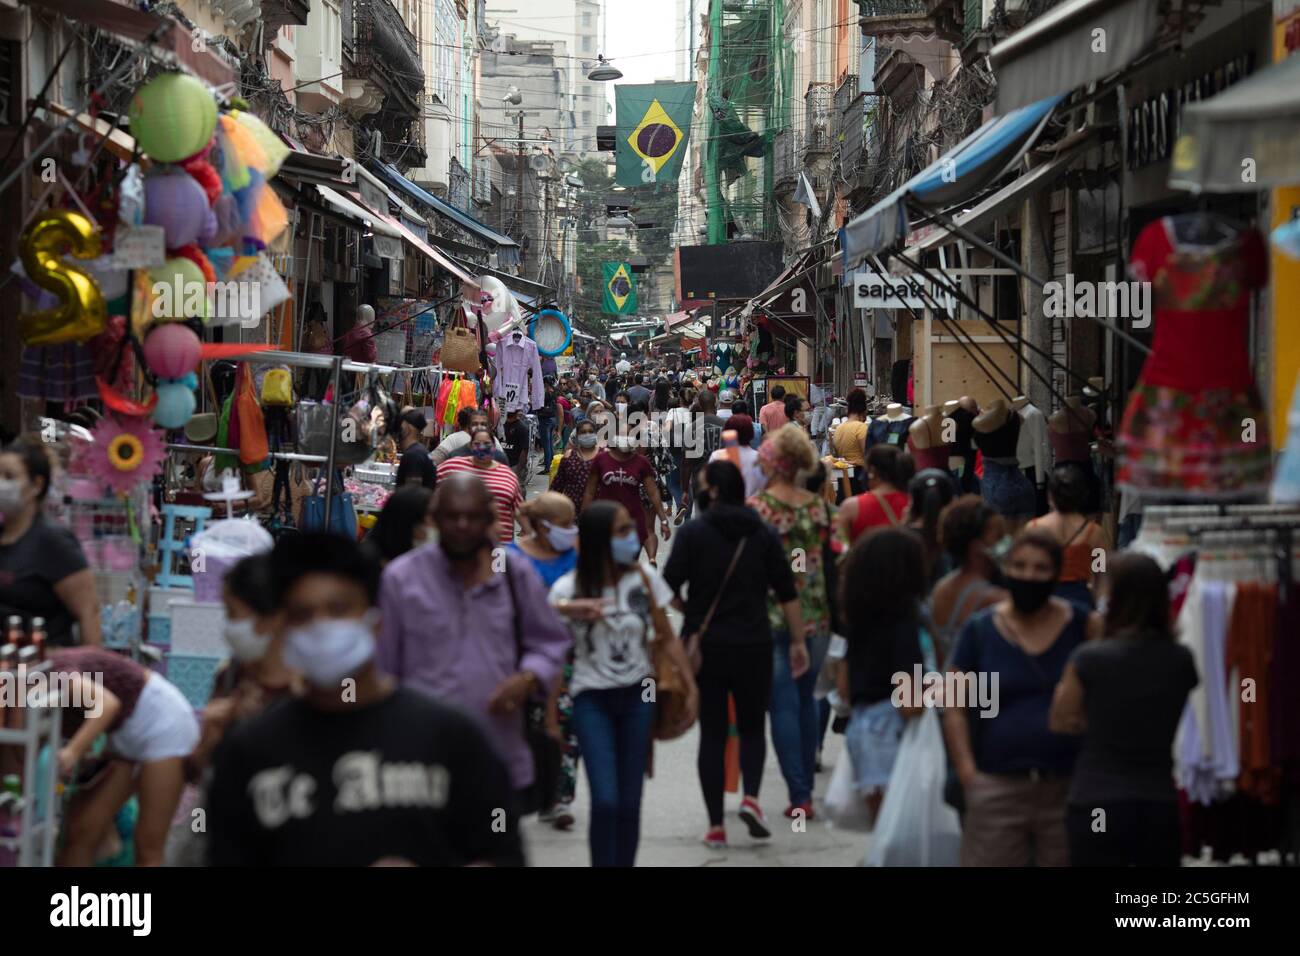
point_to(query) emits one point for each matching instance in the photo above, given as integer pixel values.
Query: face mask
(423, 534)
(622, 408)
(1029, 596)
(625, 549)
(326, 651)
(562, 539)
(999, 549)
(481, 451)
(587, 441)
(704, 499)
(11, 494)
(245, 643)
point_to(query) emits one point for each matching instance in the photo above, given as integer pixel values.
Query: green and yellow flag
(654, 123)
(620, 288)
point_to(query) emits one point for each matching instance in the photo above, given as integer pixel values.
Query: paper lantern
(175, 403)
(172, 117)
(180, 290)
(171, 350)
(174, 200)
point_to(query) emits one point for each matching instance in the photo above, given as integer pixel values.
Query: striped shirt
(501, 483)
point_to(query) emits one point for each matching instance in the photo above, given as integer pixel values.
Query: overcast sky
(641, 36)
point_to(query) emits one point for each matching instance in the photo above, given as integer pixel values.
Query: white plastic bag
(218, 547)
(845, 807)
(915, 827)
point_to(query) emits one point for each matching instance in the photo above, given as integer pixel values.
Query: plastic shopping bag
(915, 827)
(845, 807)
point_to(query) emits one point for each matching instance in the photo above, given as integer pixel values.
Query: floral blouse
(804, 530)
(571, 478)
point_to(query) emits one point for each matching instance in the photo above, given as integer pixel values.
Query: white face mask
(424, 534)
(562, 539)
(326, 651)
(11, 495)
(245, 643)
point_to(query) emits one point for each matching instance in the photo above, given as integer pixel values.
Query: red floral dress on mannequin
(1187, 428)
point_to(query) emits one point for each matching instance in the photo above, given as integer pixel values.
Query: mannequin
(925, 440)
(359, 342)
(1071, 437)
(1033, 450)
(1005, 488)
(962, 463)
(891, 427)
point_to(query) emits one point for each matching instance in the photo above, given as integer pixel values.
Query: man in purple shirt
(471, 625)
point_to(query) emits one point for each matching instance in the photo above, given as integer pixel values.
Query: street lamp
(604, 71)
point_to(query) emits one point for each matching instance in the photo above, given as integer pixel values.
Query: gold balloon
(81, 313)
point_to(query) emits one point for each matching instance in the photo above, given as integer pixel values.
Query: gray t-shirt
(1135, 690)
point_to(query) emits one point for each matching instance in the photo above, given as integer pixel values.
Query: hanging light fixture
(604, 71)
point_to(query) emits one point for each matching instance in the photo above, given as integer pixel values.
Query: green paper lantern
(180, 290)
(172, 117)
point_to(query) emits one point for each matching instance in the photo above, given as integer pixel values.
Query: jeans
(613, 728)
(674, 482)
(795, 727)
(546, 431)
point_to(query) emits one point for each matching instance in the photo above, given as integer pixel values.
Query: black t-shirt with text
(403, 778)
(516, 440)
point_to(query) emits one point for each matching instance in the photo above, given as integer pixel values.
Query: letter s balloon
(81, 313)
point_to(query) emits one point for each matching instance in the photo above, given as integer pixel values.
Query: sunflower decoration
(126, 452)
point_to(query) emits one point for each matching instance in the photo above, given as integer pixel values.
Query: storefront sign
(1154, 124)
(872, 290)
(860, 379)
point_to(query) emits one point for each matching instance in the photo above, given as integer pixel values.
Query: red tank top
(872, 514)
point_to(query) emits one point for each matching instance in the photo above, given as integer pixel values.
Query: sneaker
(807, 809)
(751, 814)
(716, 838)
(547, 815)
(561, 816)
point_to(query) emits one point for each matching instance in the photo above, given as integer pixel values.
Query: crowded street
(614, 434)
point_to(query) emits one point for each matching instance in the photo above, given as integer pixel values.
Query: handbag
(693, 642)
(277, 387)
(253, 445)
(202, 426)
(672, 719)
(342, 518)
(547, 755)
(315, 424)
(460, 346)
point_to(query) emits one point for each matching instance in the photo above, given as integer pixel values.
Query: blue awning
(443, 208)
(971, 166)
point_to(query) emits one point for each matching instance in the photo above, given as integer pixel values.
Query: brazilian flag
(620, 288)
(654, 123)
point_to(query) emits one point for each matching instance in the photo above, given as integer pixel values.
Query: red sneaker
(716, 838)
(751, 814)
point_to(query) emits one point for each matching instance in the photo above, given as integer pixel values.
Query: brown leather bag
(672, 719)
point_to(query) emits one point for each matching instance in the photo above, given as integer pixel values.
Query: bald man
(469, 623)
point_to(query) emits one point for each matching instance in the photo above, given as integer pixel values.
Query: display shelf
(35, 841)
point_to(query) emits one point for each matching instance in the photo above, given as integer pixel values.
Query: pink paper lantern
(174, 200)
(172, 350)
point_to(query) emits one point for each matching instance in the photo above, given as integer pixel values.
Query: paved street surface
(673, 819)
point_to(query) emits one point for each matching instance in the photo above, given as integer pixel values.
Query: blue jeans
(795, 725)
(613, 728)
(546, 431)
(674, 482)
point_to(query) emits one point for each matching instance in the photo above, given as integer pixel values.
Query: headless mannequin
(893, 413)
(1074, 417)
(1005, 487)
(992, 418)
(926, 435)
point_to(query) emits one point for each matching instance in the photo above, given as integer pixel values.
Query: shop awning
(363, 216)
(1257, 118)
(969, 168)
(1070, 45)
(1007, 198)
(387, 224)
(677, 318)
(445, 209)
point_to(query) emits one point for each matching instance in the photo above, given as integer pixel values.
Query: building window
(586, 20)
(586, 44)
(586, 117)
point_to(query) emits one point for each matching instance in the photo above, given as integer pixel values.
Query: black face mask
(703, 499)
(1028, 596)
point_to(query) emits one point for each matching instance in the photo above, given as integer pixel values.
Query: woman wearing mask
(931, 490)
(885, 502)
(798, 411)
(612, 602)
(970, 532)
(882, 583)
(729, 561)
(500, 479)
(1082, 540)
(804, 522)
(571, 477)
(1125, 694)
(552, 550)
(405, 522)
(1013, 769)
(43, 572)
(151, 730)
